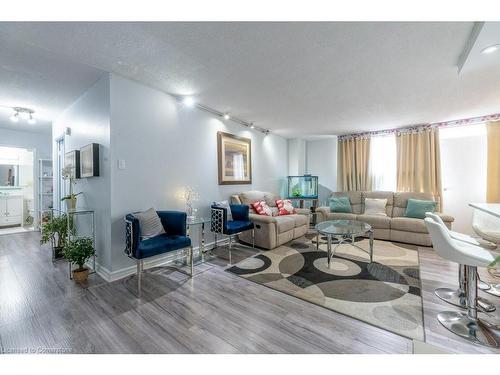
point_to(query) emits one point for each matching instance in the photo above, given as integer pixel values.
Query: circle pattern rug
(385, 293)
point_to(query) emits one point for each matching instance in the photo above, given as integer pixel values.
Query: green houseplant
(78, 251)
(55, 231)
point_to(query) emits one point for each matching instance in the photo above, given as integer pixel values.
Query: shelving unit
(45, 189)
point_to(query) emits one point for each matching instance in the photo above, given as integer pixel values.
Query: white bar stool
(457, 297)
(466, 325)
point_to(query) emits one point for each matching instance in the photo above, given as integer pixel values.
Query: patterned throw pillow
(262, 208)
(150, 223)
(285, 207)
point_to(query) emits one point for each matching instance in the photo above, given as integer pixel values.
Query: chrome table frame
(342, 240)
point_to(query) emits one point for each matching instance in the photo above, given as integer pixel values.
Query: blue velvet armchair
(240, 223)
(174, 238)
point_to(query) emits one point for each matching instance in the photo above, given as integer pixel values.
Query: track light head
(252, 126)
(227, 116)
(31, 120)
(15, 117)
(188, 101)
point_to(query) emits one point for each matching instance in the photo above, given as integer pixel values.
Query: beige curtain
(419, 162)
(493, 171)
(353, 164)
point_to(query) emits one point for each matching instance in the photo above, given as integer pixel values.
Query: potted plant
(78, 251)
(55, 230)
(67, 175)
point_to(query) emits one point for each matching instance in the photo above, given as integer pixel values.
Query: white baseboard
(157, 261)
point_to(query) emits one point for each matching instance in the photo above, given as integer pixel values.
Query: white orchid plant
(189, 196)
(67, 175)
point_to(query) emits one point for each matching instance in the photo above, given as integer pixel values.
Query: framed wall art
(89, 160)
(234, 158)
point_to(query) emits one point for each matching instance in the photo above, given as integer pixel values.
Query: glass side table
(200, 223)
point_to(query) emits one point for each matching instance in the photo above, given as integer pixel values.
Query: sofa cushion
(285, 207)
(248, 197)
(271, 199)
(340, 204)
(401, 201)
(376, 221)
(284, 223)
(408, 224)
(389, 195)
(262, 208)
(375, 206)
(417, 208)
(300, 220)
(354, 198)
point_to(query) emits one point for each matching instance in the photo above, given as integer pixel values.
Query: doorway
(17, 190)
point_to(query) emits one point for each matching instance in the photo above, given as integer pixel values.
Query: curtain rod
(413, 128)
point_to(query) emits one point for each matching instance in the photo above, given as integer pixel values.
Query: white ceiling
(298, 79)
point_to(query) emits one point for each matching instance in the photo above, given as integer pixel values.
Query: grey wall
(167, 146)
(89, 121)
(321, 160)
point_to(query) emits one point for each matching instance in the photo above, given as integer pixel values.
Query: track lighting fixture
(227, 116)
(252, 126)
(24, 114)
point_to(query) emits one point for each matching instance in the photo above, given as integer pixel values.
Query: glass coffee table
(345, 232)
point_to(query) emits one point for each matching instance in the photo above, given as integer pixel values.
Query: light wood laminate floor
(214, 312)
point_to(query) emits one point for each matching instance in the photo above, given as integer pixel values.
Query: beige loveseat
(395, 226)
(272, 231)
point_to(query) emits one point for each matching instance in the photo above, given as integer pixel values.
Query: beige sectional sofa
(395, 226)
(272, 231)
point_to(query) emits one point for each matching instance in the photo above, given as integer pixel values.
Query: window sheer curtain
(419, 162)
(493, 168)
(353, 170)
(383, 163)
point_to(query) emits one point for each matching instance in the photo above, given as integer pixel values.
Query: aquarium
(303, 187)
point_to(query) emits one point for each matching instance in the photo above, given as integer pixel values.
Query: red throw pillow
(285, 207)
(262, 208)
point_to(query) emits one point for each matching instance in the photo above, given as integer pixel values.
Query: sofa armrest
(303, 211)
(321, 213)
(262, 219)
(446, 218)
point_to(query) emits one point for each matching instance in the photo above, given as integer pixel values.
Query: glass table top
(198, 220)
(343, 227)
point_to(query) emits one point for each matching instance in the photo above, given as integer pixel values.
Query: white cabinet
(11, 210)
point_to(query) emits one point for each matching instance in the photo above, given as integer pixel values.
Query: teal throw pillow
(417, 208)
(340, 204)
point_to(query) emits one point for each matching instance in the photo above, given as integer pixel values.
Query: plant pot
(58, 252)
(71, 204)
(81, 275)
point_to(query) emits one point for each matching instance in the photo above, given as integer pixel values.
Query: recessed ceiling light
(188, 101)
(491, 49)
(227, 116)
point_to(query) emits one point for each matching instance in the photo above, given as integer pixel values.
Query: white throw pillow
(375, 206)
(150, 223)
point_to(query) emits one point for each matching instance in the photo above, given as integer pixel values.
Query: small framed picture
(72, 159)
(89, 160)
(235, 159)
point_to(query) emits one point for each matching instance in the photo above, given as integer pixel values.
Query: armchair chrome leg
(253, 238)
(467, 325)
(215, 241)
(230, 247)
(139, 278)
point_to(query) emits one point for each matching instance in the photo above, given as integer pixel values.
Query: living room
(254, 187)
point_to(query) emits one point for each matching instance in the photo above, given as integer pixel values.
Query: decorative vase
(71, 204)
(81, 275)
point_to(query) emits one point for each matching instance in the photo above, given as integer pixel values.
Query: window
(383, 162)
